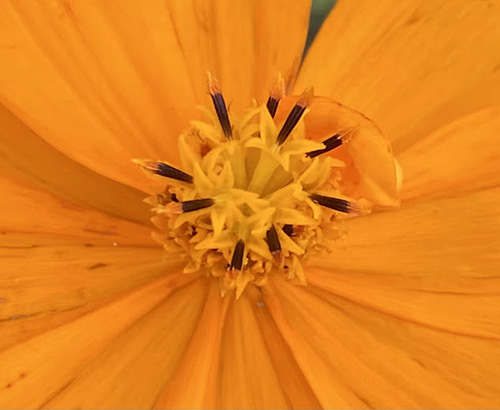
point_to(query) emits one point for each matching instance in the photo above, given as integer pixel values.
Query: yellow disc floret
(253, 198)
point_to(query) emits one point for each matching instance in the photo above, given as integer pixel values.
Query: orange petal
(33, 372)
(133, 369)
(44, 285)
(291, 377)
(434, 263)
(194, 383)
(245, 44)
(247, 377)
(354, 356)
(26, 157)
(309, 349)
(105, 86)
(459, 157)
(370, 170)
(25, 211)
(59, 259)
(100, 85)
(409, 67)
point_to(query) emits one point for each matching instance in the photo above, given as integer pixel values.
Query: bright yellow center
(256, 186)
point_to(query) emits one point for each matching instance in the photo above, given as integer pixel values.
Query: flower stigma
(255, 196)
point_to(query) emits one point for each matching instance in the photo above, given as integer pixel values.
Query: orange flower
(404, 313)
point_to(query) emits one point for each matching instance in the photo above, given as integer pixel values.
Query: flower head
(402, 313)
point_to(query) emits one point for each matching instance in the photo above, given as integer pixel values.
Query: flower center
(254, 198)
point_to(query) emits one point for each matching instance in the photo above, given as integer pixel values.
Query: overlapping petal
(409, 66)
(95, 95)
(117, 80)
(28, 159)
(25, 212)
